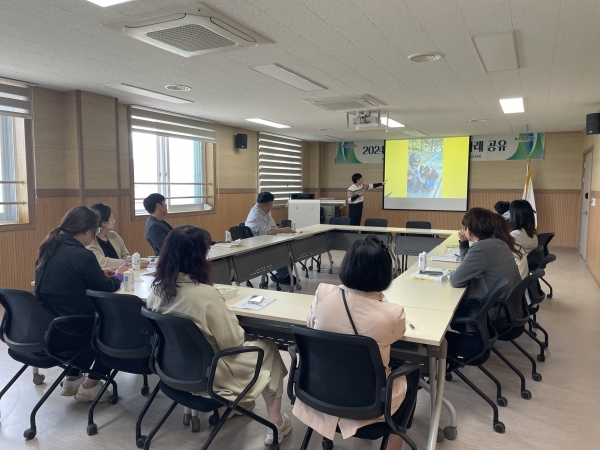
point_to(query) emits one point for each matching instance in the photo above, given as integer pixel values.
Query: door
(585, 203)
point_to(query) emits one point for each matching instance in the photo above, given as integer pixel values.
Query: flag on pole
(528, 191)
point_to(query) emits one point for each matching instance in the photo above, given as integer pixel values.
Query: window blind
(15, 99)
(279, 165)
(165, 124)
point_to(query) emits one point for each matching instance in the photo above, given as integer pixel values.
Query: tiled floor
(562, 414)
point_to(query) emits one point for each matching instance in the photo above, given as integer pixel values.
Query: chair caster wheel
(29, 433)
(194, 424)
(310, 267)
(440, 435)
(526, 394)
(449, 377)
(536, 376)
(141, 441)
(38, 378)
(214, 419)
(499, 427)
(533, 333)
(113, 399)
(145, 390)
(502, 401)
(549, 295)
(326, 444)
(278, 288)
(450, 433)
(541, 358)
(92, 429)
(262, 286)
(186, 419)
(298, 287)
(330, 271)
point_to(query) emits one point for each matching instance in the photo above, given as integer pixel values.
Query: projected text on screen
(427, 174)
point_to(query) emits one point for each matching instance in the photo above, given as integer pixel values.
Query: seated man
(156, 228)
(260, 222)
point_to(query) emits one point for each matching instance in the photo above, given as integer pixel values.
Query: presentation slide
(427, 174)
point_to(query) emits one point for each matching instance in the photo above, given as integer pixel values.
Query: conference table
(429, 306)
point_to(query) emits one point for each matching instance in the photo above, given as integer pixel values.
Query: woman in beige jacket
(365, 272)
(108, 246)
(182, 287)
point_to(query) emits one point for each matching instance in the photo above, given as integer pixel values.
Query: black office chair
(537, 296)
(472, 338)
(123, 340)
(185, 363)
(343, 375)
(543, 240)
(242, 232)
(242, 224)
(511, 326)
(422, 225)
(285, 223)
(339, 221)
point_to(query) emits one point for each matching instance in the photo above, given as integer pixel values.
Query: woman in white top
(108, 246)
(501, 231)
(522, 225)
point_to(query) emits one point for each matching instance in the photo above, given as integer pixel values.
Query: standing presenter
(356, 193)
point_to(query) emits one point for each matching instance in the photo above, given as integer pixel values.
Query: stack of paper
(229, 244)
(439, 277)
(227, 291)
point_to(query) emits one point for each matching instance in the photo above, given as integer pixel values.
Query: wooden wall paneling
(238, 168)
(593, 246)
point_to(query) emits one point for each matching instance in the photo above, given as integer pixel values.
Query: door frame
(588, 150)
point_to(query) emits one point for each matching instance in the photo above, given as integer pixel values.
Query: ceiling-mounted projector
(367, 120)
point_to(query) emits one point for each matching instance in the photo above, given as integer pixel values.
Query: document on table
(246, 304)
(452, 255)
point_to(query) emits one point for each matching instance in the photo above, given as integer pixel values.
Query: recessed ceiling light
(478, 120)
(426, 57)
(325, 129)
(268, 123)
(147, 93)
(288, 77)
(177, 87)
(105, 3)
(512, 105)
(391, 123)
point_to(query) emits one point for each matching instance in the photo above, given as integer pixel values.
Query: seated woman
(108, 246)
(64, 271)
(365, 272)
(502, 208)
(487, 260)
(182, 286)
(522, 225)
(501, 232)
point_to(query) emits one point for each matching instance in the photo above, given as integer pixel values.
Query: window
(172, 155)
(279, 166)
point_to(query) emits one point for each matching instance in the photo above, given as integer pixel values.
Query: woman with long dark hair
(522, 225)
(64, 270)
(502, 232)
(183, 286)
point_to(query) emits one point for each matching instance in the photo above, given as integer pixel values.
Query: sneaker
(70, 387)
(87, 395)
(282, 431)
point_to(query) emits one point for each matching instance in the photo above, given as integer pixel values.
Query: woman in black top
(65, 269)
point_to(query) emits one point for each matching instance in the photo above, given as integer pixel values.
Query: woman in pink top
(365, 272)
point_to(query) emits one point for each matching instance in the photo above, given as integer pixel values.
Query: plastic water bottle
(135, 259)
(294, 226)
(227, 236)
(422, 261)
(128, 281)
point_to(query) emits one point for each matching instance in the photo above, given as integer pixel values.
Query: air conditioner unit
(189, 31)
(344, 103)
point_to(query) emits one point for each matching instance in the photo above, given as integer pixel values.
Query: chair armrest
(292, 349)
(54, 330)
(413, 373)
(231, 352)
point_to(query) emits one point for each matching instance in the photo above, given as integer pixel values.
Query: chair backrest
(535, 256)
(339, 374)
(242, 224)
(120, 330)
(339, 221)
(547, 260)
(286, 223)
(418, 224)
(181, 354)
(25, 321)
(544, 239)
(240, 232)
(487, 334)
(246, 232)
(376, 223)
(515, 305)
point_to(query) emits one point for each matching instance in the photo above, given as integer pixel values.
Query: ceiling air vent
(189, 31)
(344, 103)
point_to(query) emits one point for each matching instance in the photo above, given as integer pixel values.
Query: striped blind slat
(172, 125)
(279, 165)
(15, 99)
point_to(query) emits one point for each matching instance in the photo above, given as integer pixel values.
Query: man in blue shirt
(261, 223)
(156, 228)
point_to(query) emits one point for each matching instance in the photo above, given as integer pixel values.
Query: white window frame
(279, 166)
(8, 172)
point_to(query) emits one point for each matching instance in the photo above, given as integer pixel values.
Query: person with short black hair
(261, 223)
(366, 272)
(157, 228)
(356, 193)
(501, 207)
(182, 286)
(522, 225)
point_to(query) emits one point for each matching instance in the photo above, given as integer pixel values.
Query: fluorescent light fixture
(147, 93)
(268, 123)
(414, 133)
(512, 105)
(497, 52)
(105, 3)
(287, 77)
(391, 123)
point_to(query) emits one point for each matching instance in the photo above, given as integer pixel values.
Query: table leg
(438, 360)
